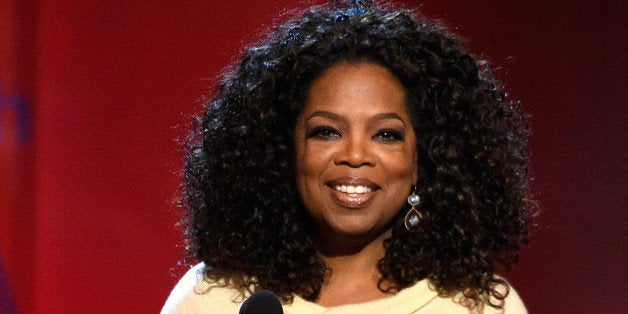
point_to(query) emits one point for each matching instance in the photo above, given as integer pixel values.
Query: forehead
(356, 87)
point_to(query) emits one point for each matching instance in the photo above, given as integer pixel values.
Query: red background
(88, 221)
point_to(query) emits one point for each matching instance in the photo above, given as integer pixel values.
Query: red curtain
(95, 94)
(17, 212)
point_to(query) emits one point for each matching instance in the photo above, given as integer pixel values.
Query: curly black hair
(244, 218)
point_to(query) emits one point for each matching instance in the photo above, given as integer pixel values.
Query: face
(356, 153)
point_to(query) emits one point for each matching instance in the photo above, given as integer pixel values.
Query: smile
(352, 189)
(352, 192)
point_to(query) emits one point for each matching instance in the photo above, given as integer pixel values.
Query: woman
(359, 159)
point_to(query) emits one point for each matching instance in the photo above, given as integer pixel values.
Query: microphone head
(262, 302)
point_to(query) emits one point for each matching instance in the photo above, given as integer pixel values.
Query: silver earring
(414, 216)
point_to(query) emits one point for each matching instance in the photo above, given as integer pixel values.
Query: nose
(355, 151)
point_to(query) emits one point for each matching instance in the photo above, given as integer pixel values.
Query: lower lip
(352, 200)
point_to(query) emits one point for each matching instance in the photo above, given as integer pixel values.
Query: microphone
(262, 302)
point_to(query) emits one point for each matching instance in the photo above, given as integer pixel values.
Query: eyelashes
(329, 133)
(389, 135)
(323, 132)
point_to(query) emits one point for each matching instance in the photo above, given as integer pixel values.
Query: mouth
(352, 192)
(352, 189)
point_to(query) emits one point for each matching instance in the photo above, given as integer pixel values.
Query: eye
(388, 135)
(324, 133)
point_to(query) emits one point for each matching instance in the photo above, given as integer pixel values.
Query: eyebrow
(335, 116)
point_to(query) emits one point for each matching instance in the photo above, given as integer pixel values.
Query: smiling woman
(356, 163)
(350, 137)
(359, 159)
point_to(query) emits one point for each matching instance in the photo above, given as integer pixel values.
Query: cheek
(308, 169)
(401, 165)
(304, 162)
(412, 161)
(313, 158)
(309, 165)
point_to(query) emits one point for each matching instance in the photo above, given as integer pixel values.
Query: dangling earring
(414, 216)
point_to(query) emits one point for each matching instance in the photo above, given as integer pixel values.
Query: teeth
(350, 189)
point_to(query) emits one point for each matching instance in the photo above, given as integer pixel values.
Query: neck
(353, 275)
(350, 247)
(330, 244)
(351, 257)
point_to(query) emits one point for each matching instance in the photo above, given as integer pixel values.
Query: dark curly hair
(244, 217)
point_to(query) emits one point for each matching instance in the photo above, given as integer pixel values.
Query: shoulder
(418, 298)
(512, 305)
(194, 294)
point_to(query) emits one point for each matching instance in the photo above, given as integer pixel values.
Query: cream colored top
(193, 295)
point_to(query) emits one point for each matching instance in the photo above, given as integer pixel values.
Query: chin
(353, 228)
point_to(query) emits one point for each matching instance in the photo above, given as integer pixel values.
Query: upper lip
(354, 181)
